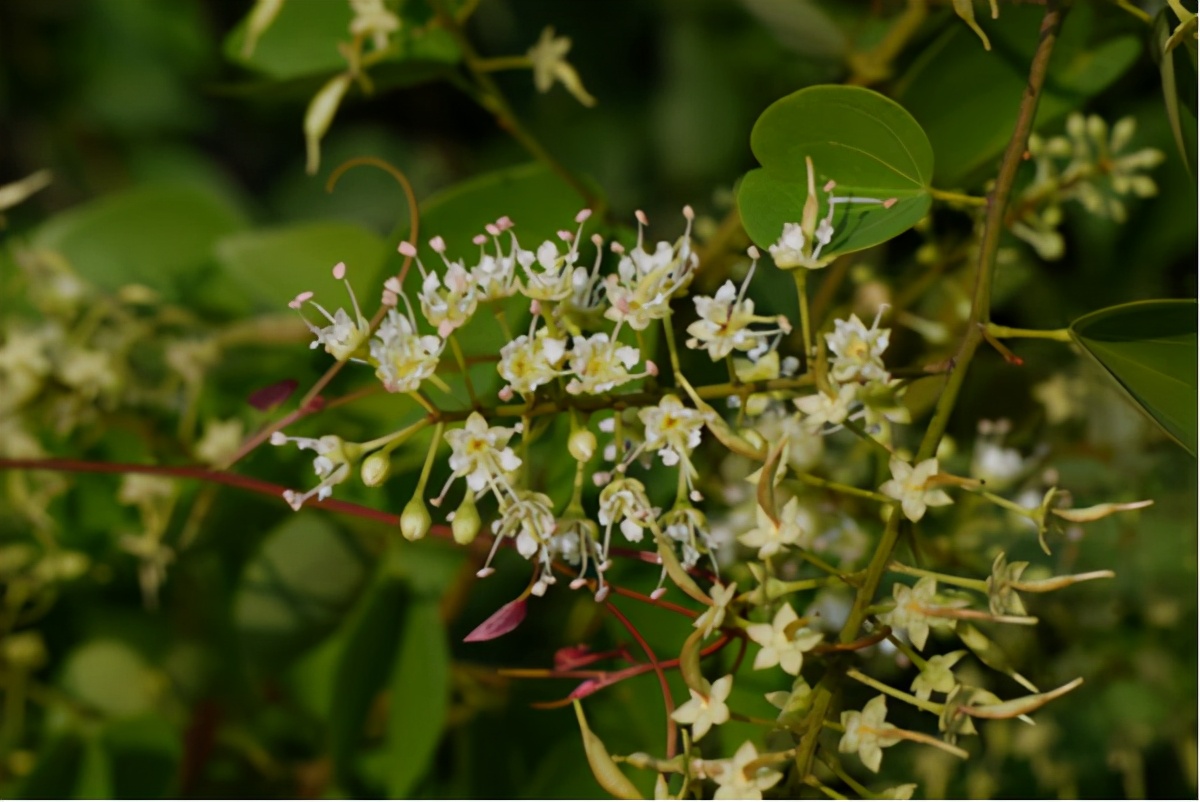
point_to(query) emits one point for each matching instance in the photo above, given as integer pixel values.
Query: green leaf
(144, 753)
(161, 236)
(370, 641)
(862, 140)
(966, 98)
(271, 266)
(420, 688)
(304, 578)
(112, 677)
(1149, 348)
(94, 780)
(1178, 73)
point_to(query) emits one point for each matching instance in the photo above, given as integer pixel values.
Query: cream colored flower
(782, 643)
(703, 713)
(908, 486)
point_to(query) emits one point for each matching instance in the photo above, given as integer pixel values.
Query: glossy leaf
(160, 236)
(966, 98)
(862, 140)
(420, 688)
(1150, 349)
(271, 266)
(501, 622)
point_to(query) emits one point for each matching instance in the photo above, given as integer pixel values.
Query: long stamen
(753, 252)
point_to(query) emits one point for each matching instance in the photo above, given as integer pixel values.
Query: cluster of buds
(1091, 165)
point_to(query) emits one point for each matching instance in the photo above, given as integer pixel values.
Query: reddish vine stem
(668, 702)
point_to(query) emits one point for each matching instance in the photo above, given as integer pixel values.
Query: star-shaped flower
(705, 712)
(866, 732)
(908, 486)
(783, 642)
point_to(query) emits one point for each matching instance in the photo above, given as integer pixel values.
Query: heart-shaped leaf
(1149, 347)
(866, 143)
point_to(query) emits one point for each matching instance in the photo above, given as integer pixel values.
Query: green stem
(922, 704)
(801, 277)
(957, 197)
(947, 579)
(1008, 332)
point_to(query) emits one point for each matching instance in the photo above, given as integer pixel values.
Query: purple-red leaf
(501, 622)
(273, 395)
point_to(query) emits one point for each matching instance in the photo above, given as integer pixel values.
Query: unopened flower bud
(582, 445)
(415, 520)
(465, 525)
(375, 469)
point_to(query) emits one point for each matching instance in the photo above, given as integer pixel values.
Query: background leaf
(970, 131)
(1149, 347)
(158, 235)
(419, 697)
(864, 141)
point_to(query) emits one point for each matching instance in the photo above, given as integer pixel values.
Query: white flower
(600, 364)
(725, 319)
(89, 372)
(549, 274)
(495, 277)
(344, 335)
(937, 675)
(912, 611)
(332, 464)
(480, 453)
(645, 282)
(672, 429)
(858, 351)
(703, 713)
(782, 643)
(448, 302)
(732, 780)
(687, 526)
(769, 537)
(625, 501)
(908, 486)
(373, 18)
(527, 362)
(403, 360)
(867, 732)
(529, 520)
(549, 57)
(825, 413)
(714, 616)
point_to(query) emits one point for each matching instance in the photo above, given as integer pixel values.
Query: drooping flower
(528, 518)
(783, 642)
(333, 463)
(908, 486)
(624, 502)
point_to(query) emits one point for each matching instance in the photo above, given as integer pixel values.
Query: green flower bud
(465, 525)
(582, 445)
(375, 469)
(415, 520)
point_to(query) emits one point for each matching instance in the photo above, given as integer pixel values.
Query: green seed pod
(375, 469)
(465, 525)
(415, 520)
(582, 445)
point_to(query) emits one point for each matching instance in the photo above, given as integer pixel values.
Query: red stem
(668, 702)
